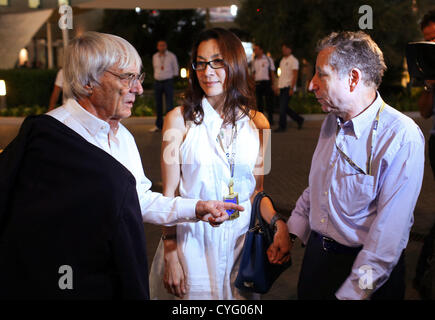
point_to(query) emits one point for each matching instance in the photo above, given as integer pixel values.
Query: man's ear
(89, 89)
(355, 76)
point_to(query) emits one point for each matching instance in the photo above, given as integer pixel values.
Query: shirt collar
(210, 114)
(90, 122)
(365, 119)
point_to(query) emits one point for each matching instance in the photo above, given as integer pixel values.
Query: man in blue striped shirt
(366, 174)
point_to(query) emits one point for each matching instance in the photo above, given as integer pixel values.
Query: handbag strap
(257, 221)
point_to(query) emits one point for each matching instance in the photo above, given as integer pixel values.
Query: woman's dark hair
(238, 87)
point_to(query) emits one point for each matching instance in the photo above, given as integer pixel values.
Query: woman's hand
(279, 250)
(173, 277)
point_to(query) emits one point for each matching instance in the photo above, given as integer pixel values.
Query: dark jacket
(65, 202)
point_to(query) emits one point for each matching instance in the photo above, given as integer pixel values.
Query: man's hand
(279, 251)
(213, 211)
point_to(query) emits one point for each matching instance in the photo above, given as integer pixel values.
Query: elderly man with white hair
(365, 178)
(74, 195)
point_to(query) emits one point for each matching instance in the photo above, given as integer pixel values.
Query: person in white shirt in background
(57, 89)
(289, 66)
(165, 67)
(263, 69)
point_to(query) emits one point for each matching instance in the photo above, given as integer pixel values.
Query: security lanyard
(229, 154)
(374, 130)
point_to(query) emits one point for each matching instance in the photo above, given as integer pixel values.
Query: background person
(263, 69)
(165, 67)
(425, 266)
(289, 66)
(57, 90)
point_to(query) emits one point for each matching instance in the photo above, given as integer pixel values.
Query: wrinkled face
(330, 90)
(162, 46)
(112, 98)
(211, 80)
(429, 32)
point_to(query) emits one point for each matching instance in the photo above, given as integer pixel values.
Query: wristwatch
(274, 219)
(293, 237)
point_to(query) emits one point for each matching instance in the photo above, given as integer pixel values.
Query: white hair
(89, 55)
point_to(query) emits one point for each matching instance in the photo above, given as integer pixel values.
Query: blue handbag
(256, 273)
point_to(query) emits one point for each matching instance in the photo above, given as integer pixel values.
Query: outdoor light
(35, 4)
(233, 9)
(23, 56)
(2, 88)
(183, 73)
(278, 72)
(2, 94)
(137, 9)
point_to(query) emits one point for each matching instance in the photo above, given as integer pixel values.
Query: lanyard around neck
(374, 130)
(226, 149)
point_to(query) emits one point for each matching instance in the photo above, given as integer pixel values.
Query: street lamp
(2, 94)
(183, 73)
(233, 10)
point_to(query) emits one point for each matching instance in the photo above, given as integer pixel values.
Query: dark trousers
(263, 91)
(323, 273)
(284, 110)
(431, 147)
(163, 87)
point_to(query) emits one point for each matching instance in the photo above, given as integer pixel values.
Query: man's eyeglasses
(214, 64)
(129, 78)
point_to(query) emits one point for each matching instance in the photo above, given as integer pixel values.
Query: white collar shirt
(155, 207)
(165, 66)
(287, 65)
(261, 66)
(355, 209)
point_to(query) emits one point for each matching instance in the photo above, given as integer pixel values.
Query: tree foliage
(304, 22)
(144, 29)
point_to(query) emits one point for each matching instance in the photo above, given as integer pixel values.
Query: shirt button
(326, 193)
(322, 221)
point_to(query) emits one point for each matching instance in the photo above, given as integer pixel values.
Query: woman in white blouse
(212, 149)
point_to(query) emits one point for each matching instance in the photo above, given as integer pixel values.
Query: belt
(163, 80)
(330, 245)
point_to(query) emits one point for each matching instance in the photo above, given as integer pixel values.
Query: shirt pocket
(353, 194)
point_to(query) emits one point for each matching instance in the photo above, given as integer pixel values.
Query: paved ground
(291, 158)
